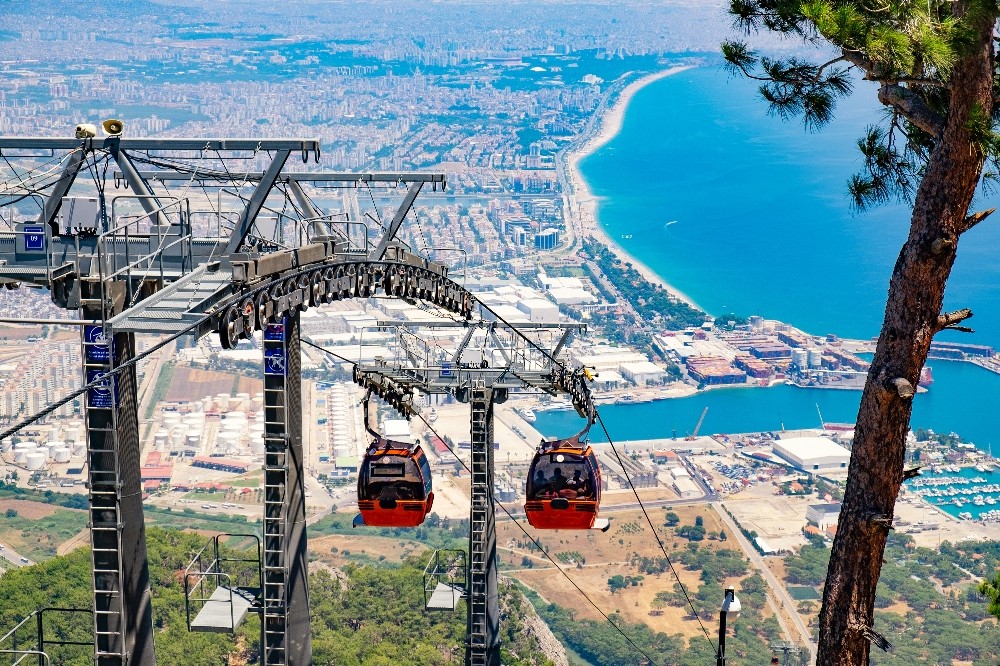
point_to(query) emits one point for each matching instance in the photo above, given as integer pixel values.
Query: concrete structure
(642, 373)
(812, 454)
(824, 515)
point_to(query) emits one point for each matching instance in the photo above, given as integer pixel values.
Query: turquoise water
(763, 221)
(948, 406)
(764, 226)
(968, 490)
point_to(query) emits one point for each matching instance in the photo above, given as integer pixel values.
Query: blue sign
(96, 344)
(274, 361)
(34, 238)
(102, 395)
(275, 331)
(446, 369)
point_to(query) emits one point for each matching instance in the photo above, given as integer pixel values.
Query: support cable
(518, 523)
(100, 379)
(656, 534)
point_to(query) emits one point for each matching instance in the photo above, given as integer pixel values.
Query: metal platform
(445, 597)
(224, 611)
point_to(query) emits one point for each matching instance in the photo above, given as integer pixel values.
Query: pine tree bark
(916, 293)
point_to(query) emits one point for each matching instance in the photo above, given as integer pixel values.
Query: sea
(748, 213)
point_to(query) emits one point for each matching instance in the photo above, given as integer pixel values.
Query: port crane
(701, 419)
(134, 249)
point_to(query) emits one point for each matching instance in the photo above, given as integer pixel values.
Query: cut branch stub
(940, 245)
(974, 219)
(950, 319)
(901, 387)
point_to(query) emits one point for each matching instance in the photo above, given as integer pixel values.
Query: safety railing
(445, 579)
(205, 574)
(35, 648)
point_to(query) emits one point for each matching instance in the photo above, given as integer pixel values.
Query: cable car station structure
(155, 259)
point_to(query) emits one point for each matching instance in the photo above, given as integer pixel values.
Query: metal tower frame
(151, 273)
(527, 367)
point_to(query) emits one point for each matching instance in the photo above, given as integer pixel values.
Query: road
(14, 557)
(777, 589)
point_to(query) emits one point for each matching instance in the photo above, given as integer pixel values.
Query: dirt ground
(28, 509)
(194, 384)
(392, 550)
(607, 554)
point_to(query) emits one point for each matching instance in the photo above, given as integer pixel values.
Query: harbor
(967, 492)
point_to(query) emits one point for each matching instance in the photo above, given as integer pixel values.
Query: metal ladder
(482, 523)
(276, 439)
(104, 483)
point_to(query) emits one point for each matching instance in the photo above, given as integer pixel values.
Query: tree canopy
(935, 67)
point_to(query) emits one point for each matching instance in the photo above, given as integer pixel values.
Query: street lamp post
(731, 607)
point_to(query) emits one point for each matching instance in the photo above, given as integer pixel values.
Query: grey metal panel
(445, 597)
(224, 611)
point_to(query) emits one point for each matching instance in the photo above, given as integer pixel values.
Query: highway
(777, 589)
(13, 556)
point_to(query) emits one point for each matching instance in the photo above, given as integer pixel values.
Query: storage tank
(206, 404)
(800, 357)
(35, 461)
(177, 438)
(79, 448)
(20, 457)
(257, 444)
(160, 438)
(227, 441)
(192, 438)
(222, 400)
(53, 434)
(5, 445)
(242, 401)
(815, 357)
(61, 454)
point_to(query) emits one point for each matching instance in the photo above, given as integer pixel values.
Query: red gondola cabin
(564, 486)
(394, 485)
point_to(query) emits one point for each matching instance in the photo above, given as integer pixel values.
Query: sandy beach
(584, 206)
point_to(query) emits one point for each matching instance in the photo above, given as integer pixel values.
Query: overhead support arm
(257, 201)
(397, 221)
(54, 199)
(136, 182)
(309, 210)
(567, 334)
(349, 179)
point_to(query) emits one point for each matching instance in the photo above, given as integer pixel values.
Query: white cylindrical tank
(257, 446)
(815, 357)
(5, 445)
(192, 438)
(20, 457)
(54, 434)
(206, 403)
(160, 438)
(61, 454)
(800, 357)
(222, 400)
(35, 461)
(79, 448)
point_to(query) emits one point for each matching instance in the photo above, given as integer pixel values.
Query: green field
(803, 593)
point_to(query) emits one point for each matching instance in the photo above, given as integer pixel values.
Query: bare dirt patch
(193, 384)
(337, 550)
(28, 509)
(610, 554)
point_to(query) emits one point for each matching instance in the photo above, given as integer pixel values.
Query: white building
(812, 454)
(539, 310)
(824, 515)
(642, 373)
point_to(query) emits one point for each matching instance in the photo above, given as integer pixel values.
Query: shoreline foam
(584, 206)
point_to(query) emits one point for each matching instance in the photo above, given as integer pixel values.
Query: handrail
(38, 650)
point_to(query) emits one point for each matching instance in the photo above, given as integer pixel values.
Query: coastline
(584, 206)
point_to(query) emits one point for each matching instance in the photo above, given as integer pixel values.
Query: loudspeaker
(86, 131)
(113, 127)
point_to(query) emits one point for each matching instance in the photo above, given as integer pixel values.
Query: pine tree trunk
(916, 292)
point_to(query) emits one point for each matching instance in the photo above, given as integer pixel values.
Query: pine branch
(951, 320)
(909, 105)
